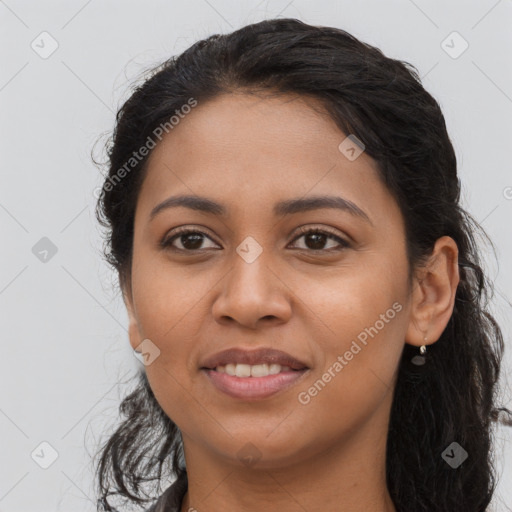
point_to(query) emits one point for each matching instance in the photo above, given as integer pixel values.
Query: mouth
(253, 375)
(262, 360)
(254, 370)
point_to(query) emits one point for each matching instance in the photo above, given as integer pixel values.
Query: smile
(255, 370)
(252, 382)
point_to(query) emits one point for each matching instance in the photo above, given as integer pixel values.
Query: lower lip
(253, 387)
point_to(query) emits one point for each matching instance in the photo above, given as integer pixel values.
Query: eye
(316, 238)
(190, 240)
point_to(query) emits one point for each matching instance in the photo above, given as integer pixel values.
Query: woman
(302, 284)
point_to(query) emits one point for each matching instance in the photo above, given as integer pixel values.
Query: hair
(451, 398)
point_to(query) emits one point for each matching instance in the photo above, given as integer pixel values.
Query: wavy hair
(382, 101)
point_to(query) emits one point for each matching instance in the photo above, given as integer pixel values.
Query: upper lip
(252, 357)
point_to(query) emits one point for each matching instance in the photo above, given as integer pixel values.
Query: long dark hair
(451, 398)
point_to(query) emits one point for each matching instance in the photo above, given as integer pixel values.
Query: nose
(252, 294)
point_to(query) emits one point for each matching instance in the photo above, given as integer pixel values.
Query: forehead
(246, 151)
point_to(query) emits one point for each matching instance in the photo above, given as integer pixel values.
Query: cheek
(360, 355)
(170, 310)
(169, 313)
(361, 318)
(168, 298)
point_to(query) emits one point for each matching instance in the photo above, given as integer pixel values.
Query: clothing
(172, 499)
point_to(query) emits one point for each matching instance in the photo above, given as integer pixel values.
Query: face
(335, 299)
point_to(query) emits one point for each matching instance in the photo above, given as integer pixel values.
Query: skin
(248, 153)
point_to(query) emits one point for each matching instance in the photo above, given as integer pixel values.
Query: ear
(433, 294)
(133, 326)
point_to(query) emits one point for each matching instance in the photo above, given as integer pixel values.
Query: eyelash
(167, 242)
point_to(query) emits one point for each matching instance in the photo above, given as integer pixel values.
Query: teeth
(276, 368)
(255, 370)
(259, 370)
(242, 370)
(230, 369)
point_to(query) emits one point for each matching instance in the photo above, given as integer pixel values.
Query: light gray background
(64, 342)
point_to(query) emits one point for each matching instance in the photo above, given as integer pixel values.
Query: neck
(350, 476)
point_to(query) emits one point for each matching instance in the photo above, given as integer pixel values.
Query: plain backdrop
(65, 69)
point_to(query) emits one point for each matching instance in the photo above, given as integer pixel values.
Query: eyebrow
(287, 207)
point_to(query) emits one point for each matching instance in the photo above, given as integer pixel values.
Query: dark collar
(171, 500)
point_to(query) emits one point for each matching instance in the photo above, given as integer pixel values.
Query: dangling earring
(420, 360)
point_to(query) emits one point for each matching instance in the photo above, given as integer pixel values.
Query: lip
(252, 357)
(253, 388)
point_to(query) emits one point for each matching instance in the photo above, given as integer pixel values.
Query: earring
(420, 360)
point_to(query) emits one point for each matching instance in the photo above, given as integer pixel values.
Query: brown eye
(190, 240)
(315, 240)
